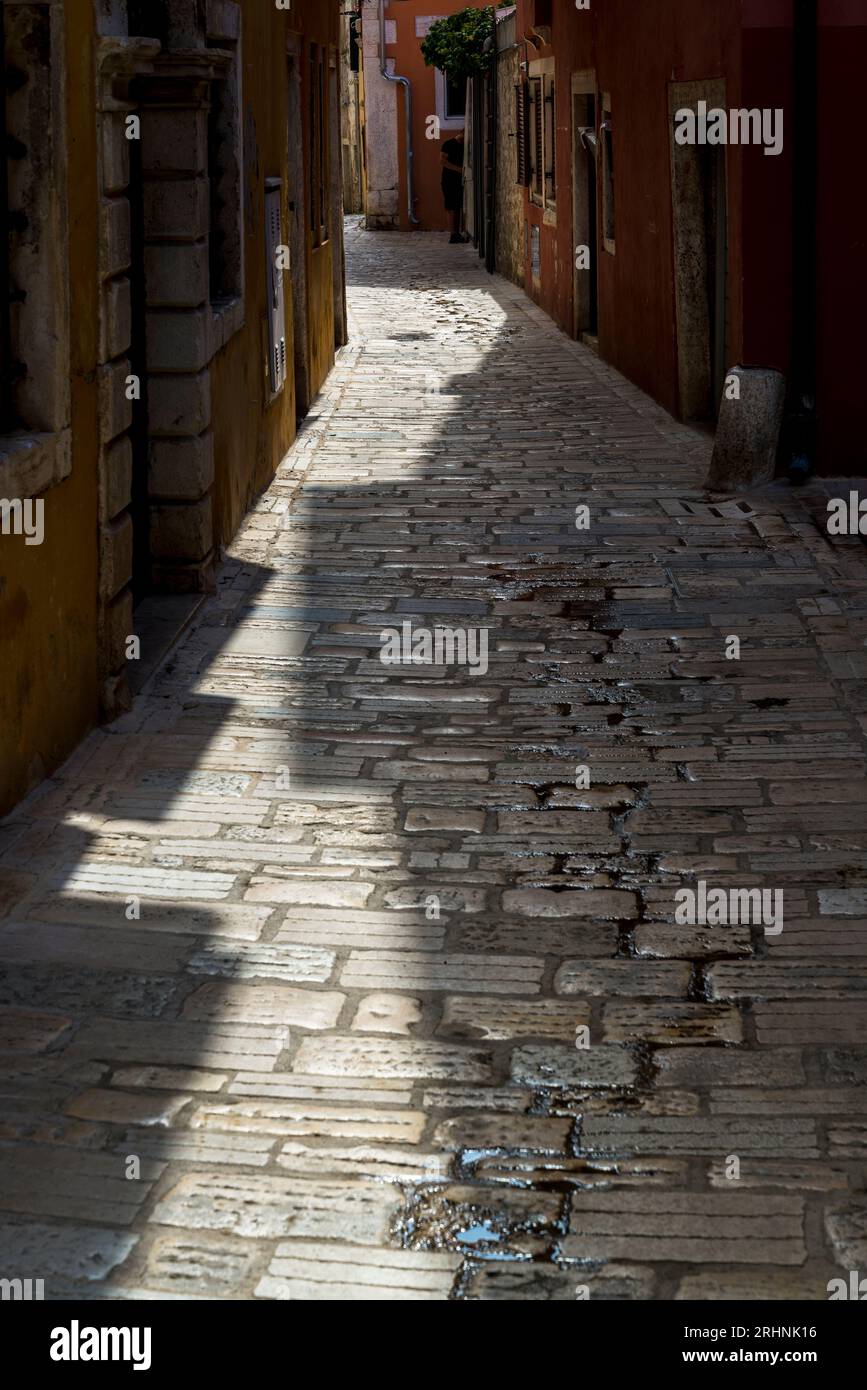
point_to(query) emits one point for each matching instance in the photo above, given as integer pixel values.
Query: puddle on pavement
(491, 1228)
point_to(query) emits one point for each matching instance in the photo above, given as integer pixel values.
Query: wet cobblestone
(322, 978)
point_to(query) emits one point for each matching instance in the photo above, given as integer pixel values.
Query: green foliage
(455, 43)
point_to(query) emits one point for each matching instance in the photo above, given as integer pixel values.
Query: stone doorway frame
(700, 349)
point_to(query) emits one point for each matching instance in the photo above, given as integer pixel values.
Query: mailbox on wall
(276, 253)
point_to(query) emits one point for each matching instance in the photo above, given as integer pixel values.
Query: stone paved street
(324, 978)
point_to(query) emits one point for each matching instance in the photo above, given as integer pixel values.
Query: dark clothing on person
(453, 182)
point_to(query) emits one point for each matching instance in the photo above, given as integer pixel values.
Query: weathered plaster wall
(380, 128)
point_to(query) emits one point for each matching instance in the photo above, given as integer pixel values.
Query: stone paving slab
(324, 978)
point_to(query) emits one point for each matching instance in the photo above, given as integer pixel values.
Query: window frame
(536, 152)
(542, 137)
(446, 121)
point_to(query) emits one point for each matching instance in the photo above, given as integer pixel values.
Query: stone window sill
(32, 463)
(227, 318)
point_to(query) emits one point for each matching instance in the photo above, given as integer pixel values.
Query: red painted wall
(764, 223)
(842, 238)
(636, 50)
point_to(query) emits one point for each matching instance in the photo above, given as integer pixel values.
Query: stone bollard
(748, 430)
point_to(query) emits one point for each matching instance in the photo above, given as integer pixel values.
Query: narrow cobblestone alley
(324, 978)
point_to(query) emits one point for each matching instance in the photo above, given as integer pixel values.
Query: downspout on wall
(407, 86)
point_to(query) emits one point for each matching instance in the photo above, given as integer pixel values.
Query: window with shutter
(276, 299)
(541, 128)
(550, 145)
(537, 139)
(522, 141)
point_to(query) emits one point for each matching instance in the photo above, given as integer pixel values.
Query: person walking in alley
(453, 183)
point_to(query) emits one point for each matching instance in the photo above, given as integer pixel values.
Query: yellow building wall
(49, 687)
(251, 432)
(49, 671)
